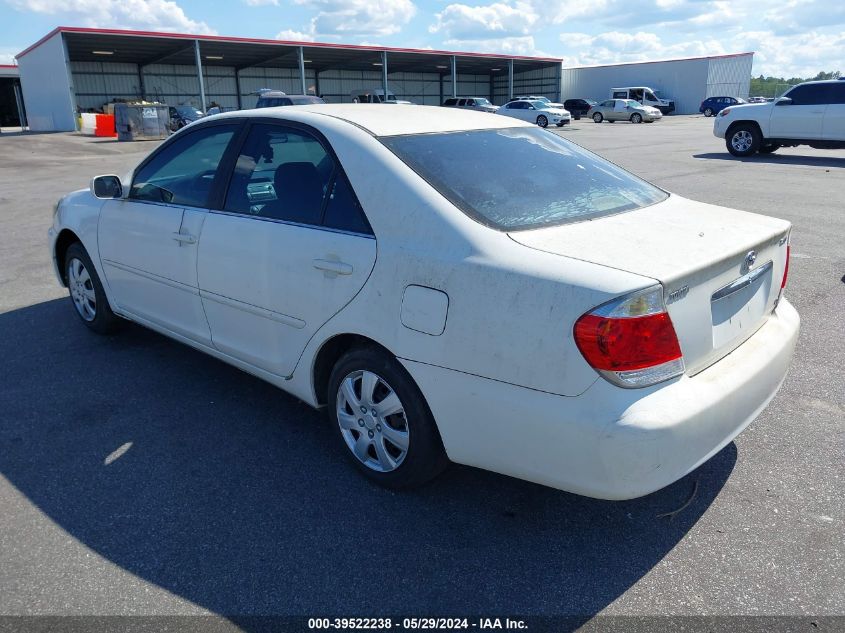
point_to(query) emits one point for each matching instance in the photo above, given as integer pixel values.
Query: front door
(148, 241)
(804, 116)
(289, 250)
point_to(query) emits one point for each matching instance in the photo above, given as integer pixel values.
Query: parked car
(759, 100)
(183, 115)
(614, 110)
(711, 106)
(578, 107)
(376, 95)
(535, 112)
(471, 103)
(276, 98)
(549, 103)
(812, 113)
(646, 96)
(346, 253)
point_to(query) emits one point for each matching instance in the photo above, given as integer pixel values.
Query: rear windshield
(522, 178)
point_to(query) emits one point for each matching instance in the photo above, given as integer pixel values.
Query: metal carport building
(78, 69)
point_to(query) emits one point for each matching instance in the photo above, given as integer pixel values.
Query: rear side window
(450, 102)
(837, 92)
(545, 181)
(183, 171)
(286, 174)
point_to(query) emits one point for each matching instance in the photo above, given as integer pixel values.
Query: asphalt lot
(230, 497)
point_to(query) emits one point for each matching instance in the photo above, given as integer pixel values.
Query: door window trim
(196, 127)
(230, 159)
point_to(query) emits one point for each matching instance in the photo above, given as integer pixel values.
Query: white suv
(811, 113)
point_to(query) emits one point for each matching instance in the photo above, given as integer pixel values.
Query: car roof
(386, 120)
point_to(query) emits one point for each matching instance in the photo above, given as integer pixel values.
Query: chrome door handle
(185, 238)
(338, 268)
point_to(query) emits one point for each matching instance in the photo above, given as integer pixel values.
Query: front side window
(183, 171)
(286, 174)
(810, 94)
(545, 181)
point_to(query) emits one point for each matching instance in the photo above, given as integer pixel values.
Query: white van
(644, 95)
(374, 95)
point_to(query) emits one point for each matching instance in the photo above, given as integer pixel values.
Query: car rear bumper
(609, 442)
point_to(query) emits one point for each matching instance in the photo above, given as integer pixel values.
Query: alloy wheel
(742, 141)
(82, 289)
(372, 421)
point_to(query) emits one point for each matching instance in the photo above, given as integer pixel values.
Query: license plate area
(738, 308)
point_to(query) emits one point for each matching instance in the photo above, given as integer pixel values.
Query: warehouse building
(11, 101)
(686, 81)
(74, 70)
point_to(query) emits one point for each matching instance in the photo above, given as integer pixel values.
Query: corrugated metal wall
(46, 87)
(730, 76)
(685, 81)
(98, 83)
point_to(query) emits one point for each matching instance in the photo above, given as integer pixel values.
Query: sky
(791, 38)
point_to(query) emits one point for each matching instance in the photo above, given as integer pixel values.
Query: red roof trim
(249, 40)
(661, 61)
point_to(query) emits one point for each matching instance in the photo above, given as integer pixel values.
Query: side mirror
(106, 187)
(783, 101)
(531, 108)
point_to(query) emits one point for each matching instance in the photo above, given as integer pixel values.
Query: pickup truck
(812, 113)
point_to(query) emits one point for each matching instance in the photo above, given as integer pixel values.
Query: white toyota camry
(549, 316)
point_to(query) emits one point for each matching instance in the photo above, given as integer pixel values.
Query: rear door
(148, 241)
(289, 248)
(804, 116)
(833, 128)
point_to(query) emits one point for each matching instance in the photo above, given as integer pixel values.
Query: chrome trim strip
(328, 229)
(142, 273)
(742, 282)
(255, 310)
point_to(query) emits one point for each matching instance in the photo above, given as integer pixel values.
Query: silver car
(614, 110)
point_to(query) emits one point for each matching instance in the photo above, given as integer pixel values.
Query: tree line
(775, 86)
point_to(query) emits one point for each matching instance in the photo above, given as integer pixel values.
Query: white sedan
(536, 112)
(549, 316)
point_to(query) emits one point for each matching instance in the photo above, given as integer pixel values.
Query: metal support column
(141, 87)
(317, 83)
(238, 87)
(302, 82)
(19, 102)
(441, 87)
(510, 79)
(384, 73)
(203, 104)
(454, 77)
(559, 75)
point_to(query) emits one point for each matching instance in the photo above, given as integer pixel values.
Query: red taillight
(785, 270)
(627, 344)
(631, 341)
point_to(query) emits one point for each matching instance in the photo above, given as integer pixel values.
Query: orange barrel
(105, 125)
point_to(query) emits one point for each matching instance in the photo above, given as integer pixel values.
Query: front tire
(636, 118)
(542, 121)
(383, 421)
(597, 117)
(743, 140)
(86, 292)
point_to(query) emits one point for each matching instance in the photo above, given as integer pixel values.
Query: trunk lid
(700, 255)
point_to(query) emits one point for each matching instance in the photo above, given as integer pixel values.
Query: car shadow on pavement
(225, 491)
(780, 159)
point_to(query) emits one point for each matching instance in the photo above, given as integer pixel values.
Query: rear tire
(400, 449)
(597, 117)
(86, 292)
(708, 112)
(743, 140)
(542, 121)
